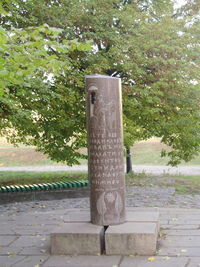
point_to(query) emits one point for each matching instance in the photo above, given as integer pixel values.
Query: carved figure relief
(110, 206)
(103, 114)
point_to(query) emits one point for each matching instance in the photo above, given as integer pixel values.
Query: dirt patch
(10, 156)
(153, 143)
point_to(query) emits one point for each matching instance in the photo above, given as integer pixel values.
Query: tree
(150, 45)
(31, 106)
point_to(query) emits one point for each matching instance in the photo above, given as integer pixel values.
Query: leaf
(183, 250)
(151, 259)
(11, 253)
(166, 258)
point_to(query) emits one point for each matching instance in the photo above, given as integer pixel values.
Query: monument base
(77, 239)
(77, 236)
(131, 238)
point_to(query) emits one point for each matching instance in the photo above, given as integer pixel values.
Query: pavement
(148, 169)
(24, 240)
(25, 228)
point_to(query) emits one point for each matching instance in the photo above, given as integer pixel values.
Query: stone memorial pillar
(105, 150)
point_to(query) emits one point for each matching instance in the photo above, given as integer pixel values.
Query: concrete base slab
(131, 238)
(142, 216)
(77, 239)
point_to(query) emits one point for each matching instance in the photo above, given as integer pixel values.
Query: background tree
(150, 45)
(32, 110)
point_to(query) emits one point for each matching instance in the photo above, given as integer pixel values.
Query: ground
(25, 229)
(25, 226)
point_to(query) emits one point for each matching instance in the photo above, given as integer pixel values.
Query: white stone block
(77, 239)
(131, 238)
(144, 216)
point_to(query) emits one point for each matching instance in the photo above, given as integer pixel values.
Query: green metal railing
(42, 186)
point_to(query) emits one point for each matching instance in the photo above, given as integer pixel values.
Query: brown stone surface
(105, 150)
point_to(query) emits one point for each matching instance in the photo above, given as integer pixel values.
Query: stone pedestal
(137, 236)
(106, 232)
(80, 238)
(131, 238)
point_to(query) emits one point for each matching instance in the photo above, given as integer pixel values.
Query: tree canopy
(150, 45)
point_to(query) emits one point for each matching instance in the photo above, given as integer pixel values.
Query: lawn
(143, 153)
(182, 184)
(28, 177)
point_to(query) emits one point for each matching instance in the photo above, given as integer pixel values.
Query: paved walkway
(25, 228)
(24, 240)
(155, 170)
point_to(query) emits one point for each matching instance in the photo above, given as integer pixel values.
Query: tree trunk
(128, 160)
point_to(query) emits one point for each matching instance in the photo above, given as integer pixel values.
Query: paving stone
(8, 261)
(153, 262)
(175, 210)
(6, 230)
(142, 216)
(30, 241)
(82, 261)
(33, 230)
(190, 217)
(77, 238)
(194, 262)
(32, 220)
(184, 232)
(6, 240)
(77, 216)
(166, 222)
(34, 251)
(142, 208)
(179, 252)
(31, 261)
(29, 231)
(180, 241)
(9, 250)
(179, 222)
(131, 238)
(180, 227)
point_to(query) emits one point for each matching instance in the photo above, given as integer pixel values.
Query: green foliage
(150, 45)
(33, 109)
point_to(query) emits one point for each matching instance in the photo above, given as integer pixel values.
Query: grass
(148, 153)
(143, 153)
(182, 184)
(30, 177)
(187, 185)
